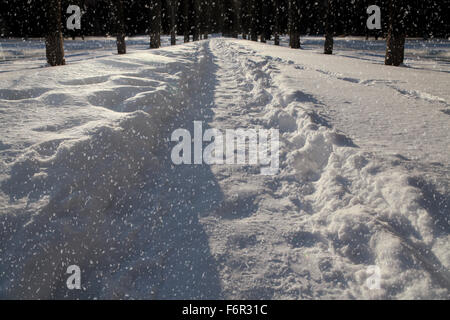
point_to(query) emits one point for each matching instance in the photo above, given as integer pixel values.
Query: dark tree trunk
(173, 22)
(205, 13)
(121, 44)
(277, 39)
(294, 22)
(253, 20)
(120, 23)
(155, 25)
(236, 24)
(244, 18)
(329, 43)
(265, 22)
(276, 23)
(196, 26)
(186, 24)
(54, 43)
(395, 42)
(395, 49)
(230, 19)
(329, 26)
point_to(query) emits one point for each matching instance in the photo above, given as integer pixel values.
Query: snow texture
(86, 176)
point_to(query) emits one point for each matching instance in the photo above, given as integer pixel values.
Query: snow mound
(102, 200)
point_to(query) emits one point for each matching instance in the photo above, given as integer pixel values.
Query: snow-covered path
(96, 186)
(283, 222)
(394, 112)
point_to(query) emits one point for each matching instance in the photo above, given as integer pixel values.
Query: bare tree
(54, 43)
(155, 25)
(120, 24)
(395, 42)
(329, 26)
(294, 22)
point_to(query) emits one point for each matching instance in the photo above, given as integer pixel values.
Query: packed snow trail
(97, 187)
(315, 207)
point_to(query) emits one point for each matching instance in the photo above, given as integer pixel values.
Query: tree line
(426, 18)
(253, 19)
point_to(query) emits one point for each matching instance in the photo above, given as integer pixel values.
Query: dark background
(426, 18)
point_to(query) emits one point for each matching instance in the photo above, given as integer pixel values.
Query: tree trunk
(230, 22)
(395, 49)
(329, 43)
(173, 22)
(294, 21)
(245, 18)
(186, 26)
(54, 43)
(236, 23)
(121, 44)
(265, 22)
(120, 23)
(205, 17)
(155, 17)
(395, 42)
(277, 39)
(253, 20)
(276, 24)
(196, 30)
(329, 27)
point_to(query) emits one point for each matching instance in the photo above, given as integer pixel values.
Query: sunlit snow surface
(86, 176)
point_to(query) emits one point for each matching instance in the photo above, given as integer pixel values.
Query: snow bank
(93, 200)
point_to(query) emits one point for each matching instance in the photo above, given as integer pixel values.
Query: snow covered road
(87, 179)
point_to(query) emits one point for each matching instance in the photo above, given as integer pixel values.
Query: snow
(86, 176)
